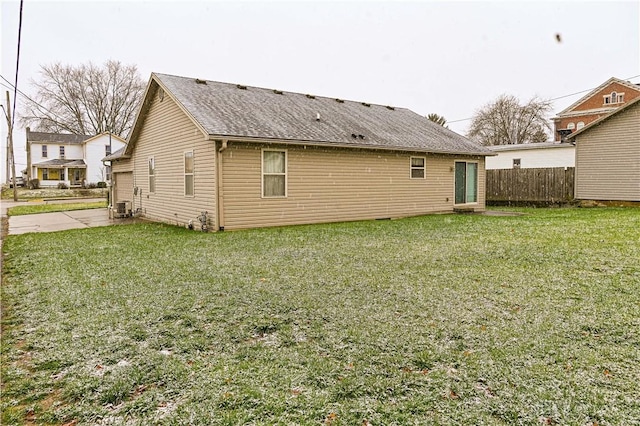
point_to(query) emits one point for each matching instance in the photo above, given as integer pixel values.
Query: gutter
(254, 139)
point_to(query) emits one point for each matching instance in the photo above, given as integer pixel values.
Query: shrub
(34, 184)
(63, 185)
(102, 184)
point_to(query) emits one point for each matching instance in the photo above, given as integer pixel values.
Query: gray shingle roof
(115, 155)
(63, 138)
(58, 163)
(224, 109)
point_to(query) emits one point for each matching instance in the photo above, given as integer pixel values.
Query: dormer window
(614, 98)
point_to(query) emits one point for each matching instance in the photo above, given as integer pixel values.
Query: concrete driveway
(58, 221)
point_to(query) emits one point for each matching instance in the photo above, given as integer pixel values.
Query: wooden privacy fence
(530, 186)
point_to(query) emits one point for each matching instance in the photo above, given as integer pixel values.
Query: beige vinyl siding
(123, 187)
(329, 185)
(167, 133)
(608, 159)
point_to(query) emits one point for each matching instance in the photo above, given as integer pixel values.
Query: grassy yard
(44, 193)
(444, 319)
(48, 208)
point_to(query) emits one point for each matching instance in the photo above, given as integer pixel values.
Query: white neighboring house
(532, 156)
(74, 160)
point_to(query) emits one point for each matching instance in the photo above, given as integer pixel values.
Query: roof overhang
(343, 145)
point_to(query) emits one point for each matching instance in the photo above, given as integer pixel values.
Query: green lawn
(48, 208)
(48, 193)
(443, 320)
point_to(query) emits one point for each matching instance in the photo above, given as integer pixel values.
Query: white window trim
(412, 168)
(192, 174)
(286, 173)
(477, 184)
(154, 175)
(609, 97)
(62, 151)
(44, 151)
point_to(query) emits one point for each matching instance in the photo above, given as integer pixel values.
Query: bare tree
(506, 122)
(438, 119)
(86, 99)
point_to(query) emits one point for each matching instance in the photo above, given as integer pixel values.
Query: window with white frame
(614, 98)
(418, 167)
(45, 174)
(62, 152)
(188, 174)
(107, 172)
(274, 173)
(517, 162)
(107, 150)
(44, 151)
(571, 126)
(580, 125)
(152, 174)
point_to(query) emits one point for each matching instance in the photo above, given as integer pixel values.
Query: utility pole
(10, 148)
(8, 165)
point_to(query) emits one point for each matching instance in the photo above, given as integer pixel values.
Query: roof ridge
(242, 86)
(595, 90)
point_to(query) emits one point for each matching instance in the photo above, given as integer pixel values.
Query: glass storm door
(466, 186)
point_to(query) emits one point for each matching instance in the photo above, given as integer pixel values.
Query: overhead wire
(552, 99)
(39, 105)
(15, 89)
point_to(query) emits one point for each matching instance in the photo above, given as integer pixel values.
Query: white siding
(534, 158)
(94, 152)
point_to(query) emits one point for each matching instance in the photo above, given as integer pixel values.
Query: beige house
(254, 157)
(608, 156)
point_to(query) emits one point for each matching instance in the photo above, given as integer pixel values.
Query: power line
(15, 89)
(39, 105)
(553, 99)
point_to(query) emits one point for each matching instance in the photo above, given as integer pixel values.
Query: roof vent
(277, 92)
(318, 116)
(353, 135)
(311, 97)
(241, 87)
(361, 136)
(391, 108)
(198, 81)
(366, 104)
(340, 101)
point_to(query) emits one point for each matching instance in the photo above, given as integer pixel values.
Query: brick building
(601, 101)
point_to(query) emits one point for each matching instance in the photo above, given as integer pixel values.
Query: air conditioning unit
(123, 209)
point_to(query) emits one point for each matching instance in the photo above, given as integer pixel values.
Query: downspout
(220, 191)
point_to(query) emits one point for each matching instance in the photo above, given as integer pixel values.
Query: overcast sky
(449, 58)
